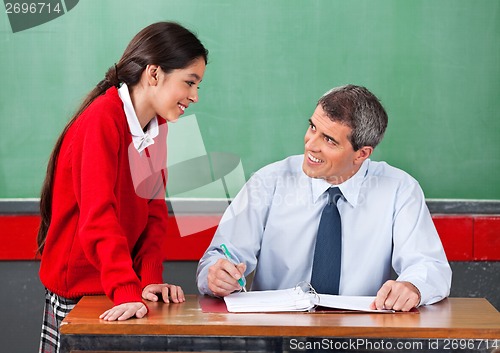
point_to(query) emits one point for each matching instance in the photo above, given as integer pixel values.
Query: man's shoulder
(385, 170)
(290, 165)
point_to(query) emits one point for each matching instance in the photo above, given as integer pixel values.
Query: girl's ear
(152, 74)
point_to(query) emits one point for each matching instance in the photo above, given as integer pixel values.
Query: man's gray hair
(358, 108)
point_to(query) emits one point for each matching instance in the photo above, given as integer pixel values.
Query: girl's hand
(152, 292)
(125, 311)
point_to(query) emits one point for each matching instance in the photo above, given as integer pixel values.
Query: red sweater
(103, 237)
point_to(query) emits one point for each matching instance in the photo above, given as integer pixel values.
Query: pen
(228, 256)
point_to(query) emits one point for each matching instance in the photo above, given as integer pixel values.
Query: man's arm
(418, 255)
(241, 230)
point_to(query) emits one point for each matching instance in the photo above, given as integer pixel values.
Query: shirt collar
(140, 138)
(350, 188)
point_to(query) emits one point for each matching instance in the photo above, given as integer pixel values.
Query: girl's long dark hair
(166, 44)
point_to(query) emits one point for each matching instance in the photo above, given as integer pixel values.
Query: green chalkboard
(434, 64)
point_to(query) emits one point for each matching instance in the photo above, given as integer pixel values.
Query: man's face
(328, 153)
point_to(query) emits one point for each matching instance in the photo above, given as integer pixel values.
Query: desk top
(450, 318)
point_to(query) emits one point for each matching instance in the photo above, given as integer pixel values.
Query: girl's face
(177, 89)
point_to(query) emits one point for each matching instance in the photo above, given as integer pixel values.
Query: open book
(295, 299)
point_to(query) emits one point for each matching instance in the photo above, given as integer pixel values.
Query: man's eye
(330, 141)
(313, 128)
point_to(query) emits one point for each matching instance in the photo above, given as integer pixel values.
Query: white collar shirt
(140, 138)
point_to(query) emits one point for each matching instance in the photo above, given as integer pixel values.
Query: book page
(359, 303)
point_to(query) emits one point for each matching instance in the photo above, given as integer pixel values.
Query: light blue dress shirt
(271, 226)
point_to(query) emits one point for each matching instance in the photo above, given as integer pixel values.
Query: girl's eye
(190, 83)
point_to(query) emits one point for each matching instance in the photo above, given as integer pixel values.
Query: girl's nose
(193, 97)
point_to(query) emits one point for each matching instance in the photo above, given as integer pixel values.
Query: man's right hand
(223, 277)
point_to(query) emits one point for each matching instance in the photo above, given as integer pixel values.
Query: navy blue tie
(327, 254)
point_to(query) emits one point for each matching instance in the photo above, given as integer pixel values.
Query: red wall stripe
(18, 237)
(457, 236)
(486, 238)
(464, 237)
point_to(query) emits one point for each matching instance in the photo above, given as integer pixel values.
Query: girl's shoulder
(105, 110)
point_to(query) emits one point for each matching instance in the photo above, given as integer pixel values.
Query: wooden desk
(455, 324)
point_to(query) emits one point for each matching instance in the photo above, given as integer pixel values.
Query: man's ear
(362, 154)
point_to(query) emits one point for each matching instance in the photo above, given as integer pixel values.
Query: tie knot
(334, 194)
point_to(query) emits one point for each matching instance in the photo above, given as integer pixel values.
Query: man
(271, 227)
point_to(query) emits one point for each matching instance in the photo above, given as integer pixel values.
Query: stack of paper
(294, 299)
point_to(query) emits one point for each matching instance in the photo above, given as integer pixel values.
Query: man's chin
(311, 174)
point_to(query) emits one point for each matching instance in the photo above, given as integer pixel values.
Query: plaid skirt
(56, 309)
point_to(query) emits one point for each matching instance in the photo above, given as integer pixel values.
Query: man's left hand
(395, 295)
